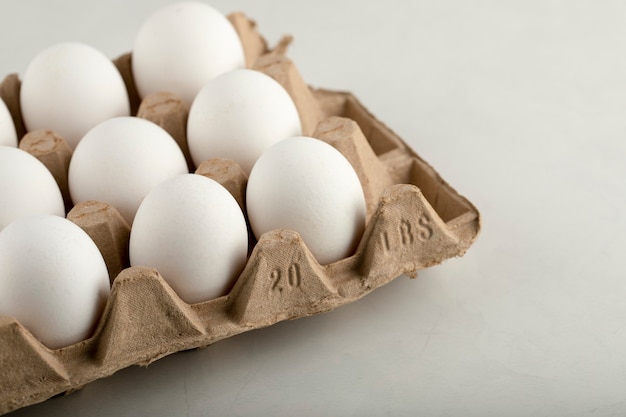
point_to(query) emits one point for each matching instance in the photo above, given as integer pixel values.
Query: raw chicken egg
(69, 88)
(191, 229)
(53, 279)
(26, 187)
(181, 47)
(120, 160)
(8, 136)
(306, 185)
(238, 115)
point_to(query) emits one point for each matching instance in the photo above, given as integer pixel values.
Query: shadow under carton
(415, 220)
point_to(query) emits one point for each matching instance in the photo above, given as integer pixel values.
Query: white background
(521, 106)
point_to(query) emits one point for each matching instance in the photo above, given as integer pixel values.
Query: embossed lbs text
(408, 233)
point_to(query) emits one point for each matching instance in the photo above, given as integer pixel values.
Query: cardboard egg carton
(415, 220)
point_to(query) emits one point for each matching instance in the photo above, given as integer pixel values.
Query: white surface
(521, 106)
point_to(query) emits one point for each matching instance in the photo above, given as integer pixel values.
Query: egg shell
(69, 88)
(230, 176)
(26, 187)
(238, 115)
(52, 279)
(193, 232)
(120, 160)
(306, 185)
(181, 47)
(8, 135)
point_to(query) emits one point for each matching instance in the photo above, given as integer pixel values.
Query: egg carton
(414, 220)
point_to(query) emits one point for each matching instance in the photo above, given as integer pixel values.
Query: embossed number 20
(293, 278)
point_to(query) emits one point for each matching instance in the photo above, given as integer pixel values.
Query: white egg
(181, 47)
(8, 135)
(53, 279)
(26, 187)
(306, 185)
(69, 88)
(194, 233)
(238, 115)
(120, 160)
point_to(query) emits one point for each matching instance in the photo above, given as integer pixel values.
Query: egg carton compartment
(415, 220)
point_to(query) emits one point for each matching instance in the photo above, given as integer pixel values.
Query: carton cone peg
(232, 177)
(253, 43)
(229, 174)
(108, 229)
(281, 279)
(25, 359)
(346, 136)
(142, 316)
(55, 153)
(169, 112)
(10, 94)
(284, 71)
(124, 66)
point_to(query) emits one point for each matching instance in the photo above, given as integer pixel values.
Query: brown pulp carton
(415, 220)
